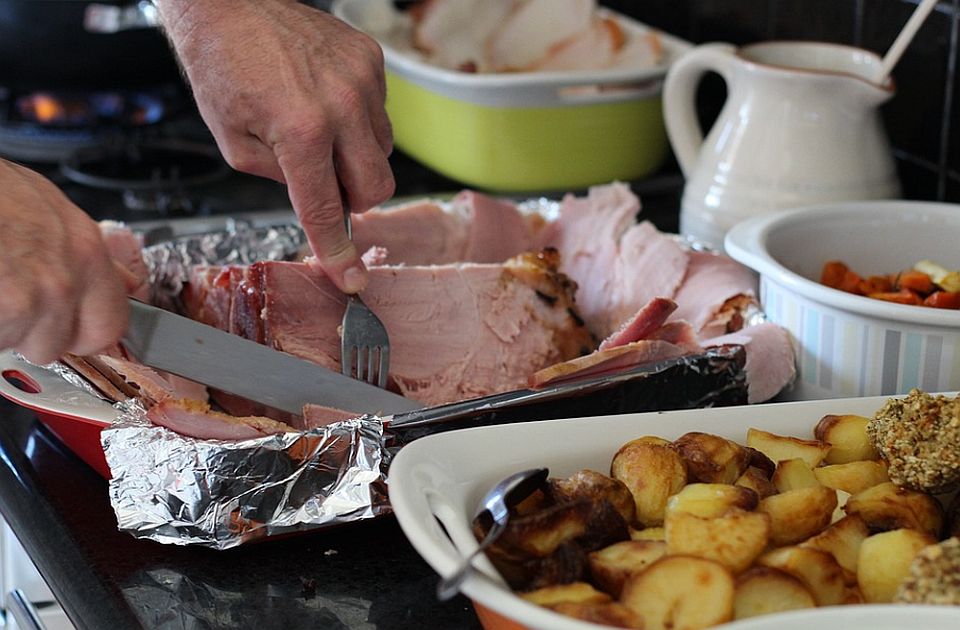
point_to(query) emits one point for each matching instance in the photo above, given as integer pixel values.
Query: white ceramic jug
(800, 125)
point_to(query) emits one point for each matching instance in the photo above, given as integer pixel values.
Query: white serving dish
(849, 345)
(441, 478)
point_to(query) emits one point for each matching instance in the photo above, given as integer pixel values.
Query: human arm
(59, 290)
(293, 94)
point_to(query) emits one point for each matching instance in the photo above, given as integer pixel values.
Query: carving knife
(227, 362)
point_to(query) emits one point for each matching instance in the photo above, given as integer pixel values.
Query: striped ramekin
(847, 345)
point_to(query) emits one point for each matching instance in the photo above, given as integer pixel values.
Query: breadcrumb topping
(934, 576)
(919, 437)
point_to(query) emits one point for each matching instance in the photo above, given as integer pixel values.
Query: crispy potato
(792, 474)
(681, 593)
(761, 461)
(576, 592)
(652, 472)
(884, 562)
(848, 439)
(734, 539)
(711, 458)
(780, 447)
(852, 477)
(818, 570)
(758, 481)
(853, 595)
(711, 499)
(647, 533)
(648, 439)
(838, 513)
(595, 486)
(842, 540)
(798, 514)
(608, 613)
(886, 506)
(540, 533)
(611, 566)
(765, 590)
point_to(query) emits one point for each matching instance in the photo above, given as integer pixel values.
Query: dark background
(919, 118)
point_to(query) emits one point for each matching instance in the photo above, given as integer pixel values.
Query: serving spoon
(497, 501)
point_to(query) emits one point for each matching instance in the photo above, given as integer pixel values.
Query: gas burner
(154, 176)
(48, 126)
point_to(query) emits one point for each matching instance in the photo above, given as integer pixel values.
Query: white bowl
(436, 482)
(849, 345)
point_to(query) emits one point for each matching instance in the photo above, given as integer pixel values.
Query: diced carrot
(943, 299)
(915, 281)
(876, 284)
(833, 273)
(851, 283)
(903, 296)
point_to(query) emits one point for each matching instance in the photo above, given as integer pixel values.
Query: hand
(59, 290)
(293, 94)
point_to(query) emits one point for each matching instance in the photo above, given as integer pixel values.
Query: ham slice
(708, 296)
(193, 418)
(126, 250)
(770, 359)
(609, 361)
(618, 264)
(153, 385)
(643, 324)
(400, 230)
(457, 331)
(320, 416)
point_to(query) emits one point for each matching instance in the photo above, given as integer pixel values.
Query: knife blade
(227, 362)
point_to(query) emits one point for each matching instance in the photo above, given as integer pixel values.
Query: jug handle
(679, 97)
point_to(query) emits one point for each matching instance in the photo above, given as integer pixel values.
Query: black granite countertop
(363, 575)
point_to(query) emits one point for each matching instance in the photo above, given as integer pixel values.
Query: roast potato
(852, 477)
(792, 474)
(607, 613)
(652, 472)
(647, 533)
(818, 570)
(711, 458)
(781, 447)
(799, 514)
(711, 499)
(734, 539)
(765, 590)
(680, 593)
(886, 506)
(842, 540)
(576, 592)
(596, 487)
(611, 566)
(758, 481)
(847, 437)
(884, 562)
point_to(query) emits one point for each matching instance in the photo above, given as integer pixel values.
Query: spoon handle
(450, 585)
(903, 39)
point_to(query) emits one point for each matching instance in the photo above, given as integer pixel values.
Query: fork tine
(384, 366)
(346, 360)
(371, 375)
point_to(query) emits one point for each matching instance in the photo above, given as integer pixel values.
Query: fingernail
(354, 280)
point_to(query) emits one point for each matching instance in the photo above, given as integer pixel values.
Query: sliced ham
(610, 361)
(207, 295)
(193, 418)
(457, 331)
(497, 229)
(770, 359)
(534, 28)
(126, 250)
(708, 296)
(320, 416)
(643, 324)
(401, 229)
(618, 264)
(152, 384)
